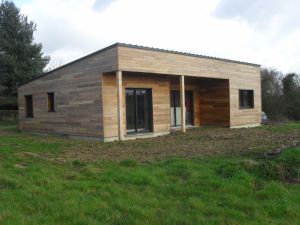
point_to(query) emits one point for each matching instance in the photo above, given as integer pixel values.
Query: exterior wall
(110, 107)
(214, 102)
(211, 100)
(160, 86)
(240, 117)
(240, 76)
(78, 103)
(86, 92)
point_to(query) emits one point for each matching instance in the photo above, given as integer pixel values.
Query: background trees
(291, 95)
(280, 94)
(20, 58)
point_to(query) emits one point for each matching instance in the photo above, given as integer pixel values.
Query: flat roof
(142, 48)
(184, 53)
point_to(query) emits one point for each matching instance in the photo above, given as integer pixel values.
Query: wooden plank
(120, 108)
(240, 76)
(214, 102)
(78, 98)
(86, 102)
(160, 87)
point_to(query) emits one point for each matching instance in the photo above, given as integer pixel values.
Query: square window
(246, 98)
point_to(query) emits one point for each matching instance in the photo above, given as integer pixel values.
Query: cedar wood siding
(78, 102)
(160, 86)
(86, 92)
(211, 100)
(240, 75)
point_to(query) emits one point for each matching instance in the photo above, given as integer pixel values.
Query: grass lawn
(207, 176)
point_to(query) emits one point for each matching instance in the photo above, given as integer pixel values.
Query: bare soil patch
(196, 142)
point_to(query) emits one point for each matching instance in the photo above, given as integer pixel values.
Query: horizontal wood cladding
(211, 100)
(77, 91)
(86, 93)
(109, 105)
(240, 76)
(141, 60)
(160, 86)
(214, 102)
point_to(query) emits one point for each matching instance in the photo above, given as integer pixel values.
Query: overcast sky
(266, 32)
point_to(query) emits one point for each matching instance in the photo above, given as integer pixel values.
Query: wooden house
(125, 91)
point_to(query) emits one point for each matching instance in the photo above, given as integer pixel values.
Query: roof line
(70, 63)
(184, 53)
(136, 47)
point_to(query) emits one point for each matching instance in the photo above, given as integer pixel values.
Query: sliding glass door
(138, 110)
(176, 108)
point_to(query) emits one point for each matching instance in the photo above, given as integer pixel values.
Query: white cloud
(258, 33)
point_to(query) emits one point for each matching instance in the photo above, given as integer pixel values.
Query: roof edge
(70, 63)
(136, 47)
(185, 53)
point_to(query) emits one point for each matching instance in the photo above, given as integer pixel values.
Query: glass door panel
(189, 107)
(130, 110)
(139, 105)
(176, 108)
(143, 105)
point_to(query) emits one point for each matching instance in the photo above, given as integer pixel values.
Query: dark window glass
(189, 108)
(130, 110)
(246, 99)
(29, 106)
(177, 98)
(138, 110)
(176, 108)
(51, 102)
(143, 106)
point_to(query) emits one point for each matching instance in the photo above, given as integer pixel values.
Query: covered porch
(149, 104)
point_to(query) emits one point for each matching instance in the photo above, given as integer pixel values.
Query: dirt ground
(196, 142)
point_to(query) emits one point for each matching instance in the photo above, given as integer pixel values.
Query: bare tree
(54, 63)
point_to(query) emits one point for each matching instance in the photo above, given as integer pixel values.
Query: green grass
(8, 126)
(220, 189)
(284, 128)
